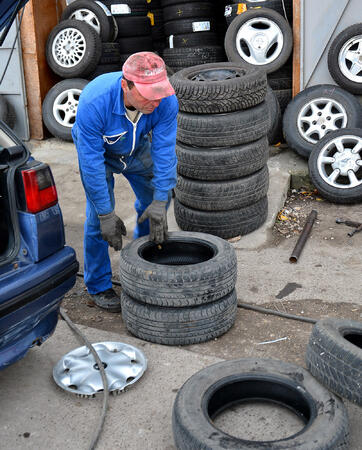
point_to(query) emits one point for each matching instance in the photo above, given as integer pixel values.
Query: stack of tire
(182, 293)
(222, 149)
(157, 25)
(191, 32)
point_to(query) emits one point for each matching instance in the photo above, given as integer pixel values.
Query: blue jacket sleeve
(163, 150)
(89, 142)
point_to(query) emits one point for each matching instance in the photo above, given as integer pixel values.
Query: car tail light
(39, 188)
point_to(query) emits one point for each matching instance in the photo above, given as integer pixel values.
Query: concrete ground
(325, 282)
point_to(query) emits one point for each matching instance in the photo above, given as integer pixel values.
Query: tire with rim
(73, 49)
(334, 357)
(260, 37)
(96, 15)
(220, 386)
(221, 163)
(344, 59)
(218, 88)
(223, 195)
(60, 107)
(179, 326)
(225, 224)
(335, 166)
(316, 111)
(189, 269)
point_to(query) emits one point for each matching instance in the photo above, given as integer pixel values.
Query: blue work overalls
(108, 142)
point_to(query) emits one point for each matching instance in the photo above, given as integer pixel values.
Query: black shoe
(107, 300)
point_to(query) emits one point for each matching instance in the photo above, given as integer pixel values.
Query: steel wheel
(215, 75)
(85, 15)
(320, 116)
(350, 59)
(65, 107)
(69, 47)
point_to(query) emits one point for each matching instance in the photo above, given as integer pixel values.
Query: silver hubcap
(87, 16)
(68, 47)
(339, 162)
(350, 59)
(320, 116)
(259, 41)
(65, 107)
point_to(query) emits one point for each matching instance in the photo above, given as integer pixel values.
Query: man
(125, 123)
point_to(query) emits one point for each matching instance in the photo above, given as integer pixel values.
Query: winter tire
(73, 49)
(317, 111)
(188, 40)
(223, 130)
(218, 387)
(133, 26)
(179, 326)
(335, 166)
(190, 269)
(219, 88)
(221, 163)
(225, 224)
(180, 58)
(223, 195)
(188, 11)
(110, 53)
(275, 117)
(60, 107)
(282, 78)
(95, 14)
(345, 61)
(260, 37)
(334, 357)
(184, 26)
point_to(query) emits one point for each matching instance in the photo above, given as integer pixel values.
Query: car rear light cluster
(39, 188)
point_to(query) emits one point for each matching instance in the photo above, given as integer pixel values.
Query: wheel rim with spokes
(216, 75)
(65, 107)
(85, 15)
(339, 162)
(69, 47)
(320, 116)
(259, 41)
(350, 59)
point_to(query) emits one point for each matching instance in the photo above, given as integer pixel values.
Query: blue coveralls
(108, 142)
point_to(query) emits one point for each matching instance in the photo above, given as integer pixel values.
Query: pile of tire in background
(222, 149)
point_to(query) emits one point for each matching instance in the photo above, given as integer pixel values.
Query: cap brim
(155, 91)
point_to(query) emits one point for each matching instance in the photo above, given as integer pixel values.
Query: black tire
(282, 78)
(110, 53)
(275, 134)
(137, 7)
(190, 269)
(87, 40)
(281, 55)
(4, 109)
(166, 3)
(104, 68)
(221, 385)
(53, 108)
(223, 130)
(218, 88)
(225, 224)
(179, 326)
(342, 189)
(339, 67)
(295, 129)
(186, 26)
(101, 21)
(225, 163)
(223, 195)
(135, 44)
(188, 11)
(133, 26)
(180, 58)
(188, 40)
(284, 97)
(334, 357)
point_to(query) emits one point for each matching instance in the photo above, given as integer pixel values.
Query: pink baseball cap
(148, 72)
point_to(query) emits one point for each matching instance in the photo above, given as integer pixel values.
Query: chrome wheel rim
(320, 116)
(85, 15)
(339, 162)
(65, 107)
(259, 41)
(69, 47)
(350, 59)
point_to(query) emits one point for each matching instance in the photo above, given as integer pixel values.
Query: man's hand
(112, 228)
(157, 214)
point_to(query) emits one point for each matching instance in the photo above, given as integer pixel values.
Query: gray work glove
(157, 214)
(112, 228)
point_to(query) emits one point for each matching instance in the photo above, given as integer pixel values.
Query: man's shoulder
(169, 104)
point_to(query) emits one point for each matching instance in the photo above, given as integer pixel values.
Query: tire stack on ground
(191, 32)
(222, 149)
(181, 293)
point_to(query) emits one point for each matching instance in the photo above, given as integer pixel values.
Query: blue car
(36, 267)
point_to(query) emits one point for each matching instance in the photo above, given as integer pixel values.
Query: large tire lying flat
(221, 163)
(334, 356)
(218, 88)
(223, 130)
(179, 326)
(189, 269)
(223, 195)
(220, 386)
(225, 224)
